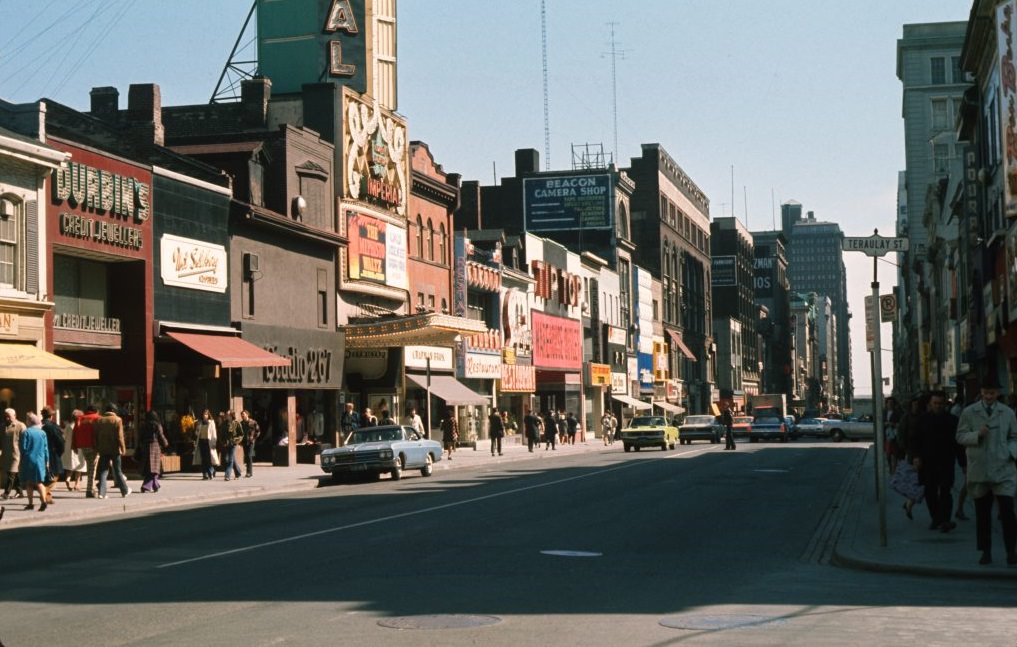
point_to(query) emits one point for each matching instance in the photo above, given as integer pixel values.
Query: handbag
(905, 482)
(215, 456)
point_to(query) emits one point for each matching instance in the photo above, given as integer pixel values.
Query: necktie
(988, 411)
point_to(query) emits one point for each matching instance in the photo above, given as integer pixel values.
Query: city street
(595, 547)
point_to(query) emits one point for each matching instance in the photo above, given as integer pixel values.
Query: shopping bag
(215, 456)
(905, 482)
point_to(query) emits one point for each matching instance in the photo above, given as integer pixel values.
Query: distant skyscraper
(816, 264)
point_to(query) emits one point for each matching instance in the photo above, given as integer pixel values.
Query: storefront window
(80, 286)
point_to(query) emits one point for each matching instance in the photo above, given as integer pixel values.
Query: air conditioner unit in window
(252, 263)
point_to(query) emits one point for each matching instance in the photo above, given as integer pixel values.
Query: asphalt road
(692, 546)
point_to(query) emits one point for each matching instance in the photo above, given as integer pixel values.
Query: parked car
(742, 426)
(850, 429)
(376, 450)
(812, 427)
(649, 431)
(700, 428)
(792, 427)
(768, 428)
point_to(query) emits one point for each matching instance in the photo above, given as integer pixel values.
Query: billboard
(377, 250)
(724, 271)
(567, 202)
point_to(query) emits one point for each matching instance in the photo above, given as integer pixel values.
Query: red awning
(676, 339)
(230, 352)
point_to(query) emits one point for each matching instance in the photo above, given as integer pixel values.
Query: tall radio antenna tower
(547, 118)
(615, 54)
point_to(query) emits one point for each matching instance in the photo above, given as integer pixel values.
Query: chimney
(254, 95)
(144, 111)
(527, 161)
(105, 103)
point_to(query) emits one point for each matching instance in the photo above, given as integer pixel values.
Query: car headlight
(385, 454)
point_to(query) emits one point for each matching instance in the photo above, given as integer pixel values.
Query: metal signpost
(876, 246)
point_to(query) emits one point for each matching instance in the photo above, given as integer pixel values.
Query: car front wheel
(397, 471)
(428, 467)
(628, 447)
(837, 435)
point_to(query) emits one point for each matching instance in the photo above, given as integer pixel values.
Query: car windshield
(647, 421)
(768, 421)
(374, 435)
(699, 420)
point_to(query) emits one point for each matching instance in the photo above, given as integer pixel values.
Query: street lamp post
(428, 407)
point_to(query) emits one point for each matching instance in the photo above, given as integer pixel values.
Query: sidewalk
(911, 546)
(187, 488)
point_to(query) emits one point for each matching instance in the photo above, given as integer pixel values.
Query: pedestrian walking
(727, 420)
(55, 445)
(10, 454)
(607, 428)
(563, 427)
(349, 422)
(531, 427)
(84, 441)
(151, 442)
(368, 419)
(73, 460)
(205, 434)
(495, 429)
(251, 433)
(413, 420)
(891, 416)
(33, 465)
(233, 436)
(109, 440)
(386, 418)
(571, 427)
(550, 431)
(988, 431)
(934, 452)
(449, 432)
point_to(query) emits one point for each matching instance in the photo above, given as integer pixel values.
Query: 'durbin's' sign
(193, 264)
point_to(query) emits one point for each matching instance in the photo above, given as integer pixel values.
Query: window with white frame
(10, 207)
(940, 114)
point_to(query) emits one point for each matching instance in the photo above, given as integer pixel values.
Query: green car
(649, 431)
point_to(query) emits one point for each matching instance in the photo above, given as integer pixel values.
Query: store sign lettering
(312, 367)
(193, 264)
(92, 189)
(73, 321)
(8, 323)
(517, 378)
(556, 284)
(101, 231)
(340, 18)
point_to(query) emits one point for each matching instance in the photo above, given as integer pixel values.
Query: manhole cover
(713, 622)
(571, 553)
(439, 622)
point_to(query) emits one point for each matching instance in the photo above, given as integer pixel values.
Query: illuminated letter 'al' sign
(340, 18)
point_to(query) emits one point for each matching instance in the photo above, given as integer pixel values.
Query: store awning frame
(428, 329)
(676, 339)
(229, 351)
(27, 362)
(631, 402)
(667, 406)
(449, 389)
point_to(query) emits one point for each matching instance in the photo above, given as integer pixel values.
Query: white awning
(449, 389)
(667, 406)
(631, 402)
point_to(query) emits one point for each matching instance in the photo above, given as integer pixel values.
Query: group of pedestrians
(934, 440)
(244, 433)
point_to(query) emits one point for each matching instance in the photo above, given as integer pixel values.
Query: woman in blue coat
(34, 460)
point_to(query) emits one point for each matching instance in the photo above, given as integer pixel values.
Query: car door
(415, 450)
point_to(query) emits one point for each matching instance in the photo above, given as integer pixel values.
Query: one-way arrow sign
(874, 245)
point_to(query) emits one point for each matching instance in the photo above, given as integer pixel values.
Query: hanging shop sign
(518, 378)
(600, 374)
(515, 318)
(418, 356)
(101, 204)
(557, 342)
(192, 264)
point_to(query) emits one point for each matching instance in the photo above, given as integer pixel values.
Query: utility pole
(547, 117)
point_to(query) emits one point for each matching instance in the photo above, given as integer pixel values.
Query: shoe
(89, 495)
(986, 558)
(2, 511)
(5, 496)
(144, 491)
(29, 506)
(907, 510)
(100, 496)
(947, 526)
(128, 493)
(960, 515)
(247, 476)
(500, 454)
(43, 506)
(1011, 559)
(227, 478)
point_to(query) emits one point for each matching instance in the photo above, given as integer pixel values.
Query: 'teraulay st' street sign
(875, 245)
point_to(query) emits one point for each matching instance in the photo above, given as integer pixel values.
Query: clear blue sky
(799, 97)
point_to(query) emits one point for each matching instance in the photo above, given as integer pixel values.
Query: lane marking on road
(571, 553)
(371, 522)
